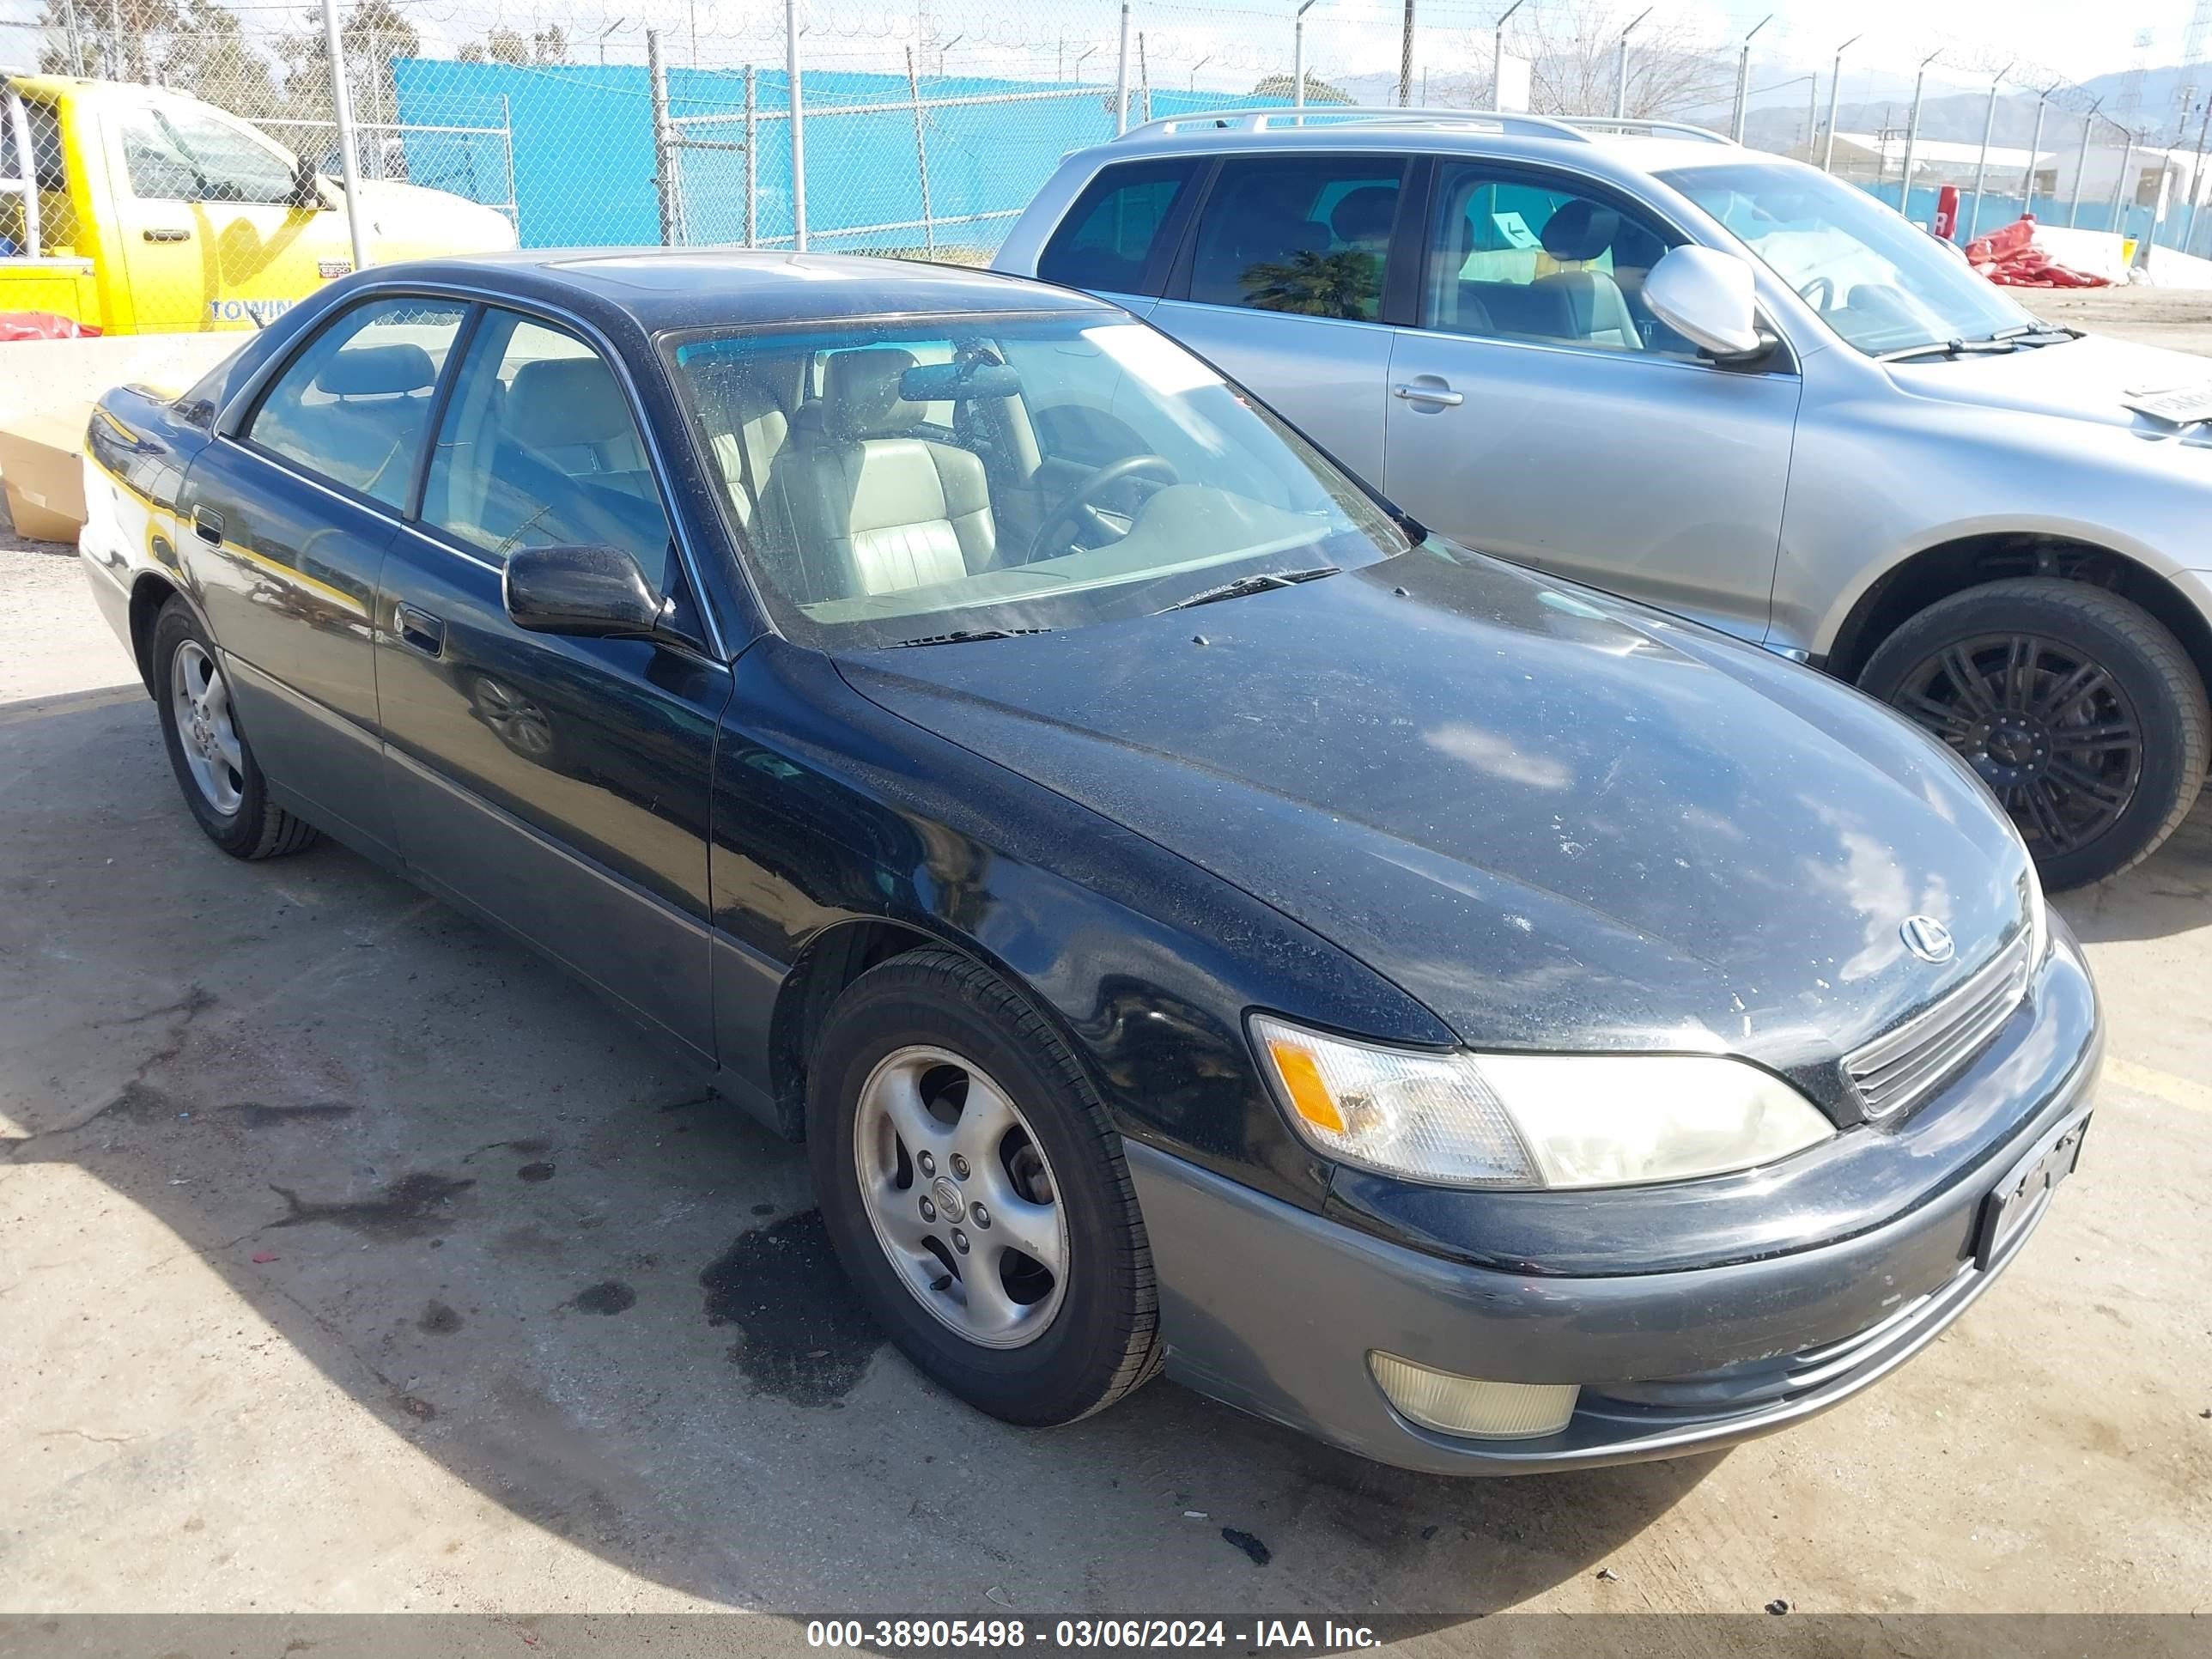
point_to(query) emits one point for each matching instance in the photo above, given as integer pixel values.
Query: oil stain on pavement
(804, 1336)
(609, 1296)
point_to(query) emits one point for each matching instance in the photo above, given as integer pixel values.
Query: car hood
(2082, 380)
(413, 220)
(1558, 819)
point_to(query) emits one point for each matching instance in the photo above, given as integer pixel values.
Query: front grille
(1907, 1063)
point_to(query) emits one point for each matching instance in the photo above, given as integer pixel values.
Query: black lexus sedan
(1195, 917)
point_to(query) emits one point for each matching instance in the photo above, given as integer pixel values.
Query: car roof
(664, 289)
(1597, 145)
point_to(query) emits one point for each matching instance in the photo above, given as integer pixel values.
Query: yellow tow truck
(138, 211)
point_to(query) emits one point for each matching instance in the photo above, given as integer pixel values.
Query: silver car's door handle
(1443, 397)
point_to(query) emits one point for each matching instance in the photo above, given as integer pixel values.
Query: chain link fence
(923, 129)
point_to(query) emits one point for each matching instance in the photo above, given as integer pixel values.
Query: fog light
(1470, 1406)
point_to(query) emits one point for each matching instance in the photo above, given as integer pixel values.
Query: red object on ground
(2010, 258)
(42, 325)
(1947, 213)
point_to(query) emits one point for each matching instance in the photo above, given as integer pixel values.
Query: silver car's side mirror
(1707, 297)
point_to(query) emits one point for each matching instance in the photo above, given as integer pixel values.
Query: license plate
(2021, 1194)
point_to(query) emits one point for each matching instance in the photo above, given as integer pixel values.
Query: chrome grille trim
(1910, 1061)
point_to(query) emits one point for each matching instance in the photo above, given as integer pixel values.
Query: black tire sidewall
(236, 833)
(2158, 703)
(1068, 1371)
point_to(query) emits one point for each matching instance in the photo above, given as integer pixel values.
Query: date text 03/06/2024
(1276, 1635)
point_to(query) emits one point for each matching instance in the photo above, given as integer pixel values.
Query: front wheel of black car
(2078, 708)
(976, 1192)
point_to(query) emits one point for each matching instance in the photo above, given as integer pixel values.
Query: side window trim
(456, 356)
(1175, 283)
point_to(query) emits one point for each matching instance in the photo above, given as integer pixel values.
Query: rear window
(1108, 238)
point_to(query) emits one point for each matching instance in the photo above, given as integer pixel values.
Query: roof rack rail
(1261, 120)
(1639, 124)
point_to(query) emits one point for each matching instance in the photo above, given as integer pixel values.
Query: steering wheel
(1079, 511)
(1823, 286)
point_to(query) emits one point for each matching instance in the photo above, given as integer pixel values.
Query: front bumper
(1273, 1309)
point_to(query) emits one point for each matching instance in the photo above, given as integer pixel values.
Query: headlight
(1469, 1120)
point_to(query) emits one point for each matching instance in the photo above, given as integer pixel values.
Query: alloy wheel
(199, 702)
(2049, 729)
(960, 1195)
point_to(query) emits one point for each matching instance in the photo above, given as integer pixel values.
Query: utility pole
(1743, 75)
(1405, 58)
(1620, 72)
(1835, 88)
(1498, 56)
(1912, 134)
(1981, 166)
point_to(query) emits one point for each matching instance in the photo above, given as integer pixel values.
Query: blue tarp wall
(583, 150)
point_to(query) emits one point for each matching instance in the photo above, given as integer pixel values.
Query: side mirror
(307, 187)
(1710, 299)
(598, 592)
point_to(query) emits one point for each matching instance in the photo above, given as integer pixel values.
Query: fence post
(1121, 76)
(1981, 166)
(348, 159)
(513, 201)
(663, 138)
(1912, 135)
(1835, 90)
(798, 117)
(2035, 154)
(2197, 176)
(752, 161)
(1143, 76)
(2120, 184)
(2081, 166)
(920, 156)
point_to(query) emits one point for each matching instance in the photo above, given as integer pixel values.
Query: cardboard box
(42, 471)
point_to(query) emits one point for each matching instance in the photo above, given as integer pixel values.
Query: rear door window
(1309, 234)
(1119, 234)
(354, 405)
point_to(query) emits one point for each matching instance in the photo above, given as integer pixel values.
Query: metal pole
(920, 157)
(1121, 76)
(2081, 163)
(1981, 166)
(798, 126)
(75, 46)
(1299, 54)
(752, 161)
(348, 159)
(1912, 136)
(1835, 87)
(115, 69)
(2120, 184)
(1405, 58)
(1743, 75)
(1497, 55)
(2035, 154)
(1620, 71)
(2197, 176)
(513, 201)
(1143, 76)
(664, 141)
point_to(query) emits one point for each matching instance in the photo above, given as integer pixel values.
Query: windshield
(901, 480)
(1876, 279)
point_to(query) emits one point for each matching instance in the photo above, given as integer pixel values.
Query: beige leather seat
(877, 510)
(1584, 304)
(748, 429)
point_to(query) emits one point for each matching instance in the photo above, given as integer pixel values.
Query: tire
(2091, 799)
(223, 784)
(1039, 1353)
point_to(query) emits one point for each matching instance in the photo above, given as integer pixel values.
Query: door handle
(1443, 397)
(208, 526)
(167, 234)
(419, 630)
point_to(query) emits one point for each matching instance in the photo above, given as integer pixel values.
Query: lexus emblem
(1927, 938)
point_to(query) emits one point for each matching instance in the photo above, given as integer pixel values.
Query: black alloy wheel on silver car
(207, 750)
(2079, 709)
(977, 1193)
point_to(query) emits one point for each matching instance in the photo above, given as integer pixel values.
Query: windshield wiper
(962, 636)
(1948, 349)
(1261, 583)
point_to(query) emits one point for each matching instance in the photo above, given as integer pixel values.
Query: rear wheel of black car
(2076, 707)
(207, 751)
(977, 1193)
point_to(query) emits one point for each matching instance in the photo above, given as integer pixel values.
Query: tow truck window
(178, 156)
